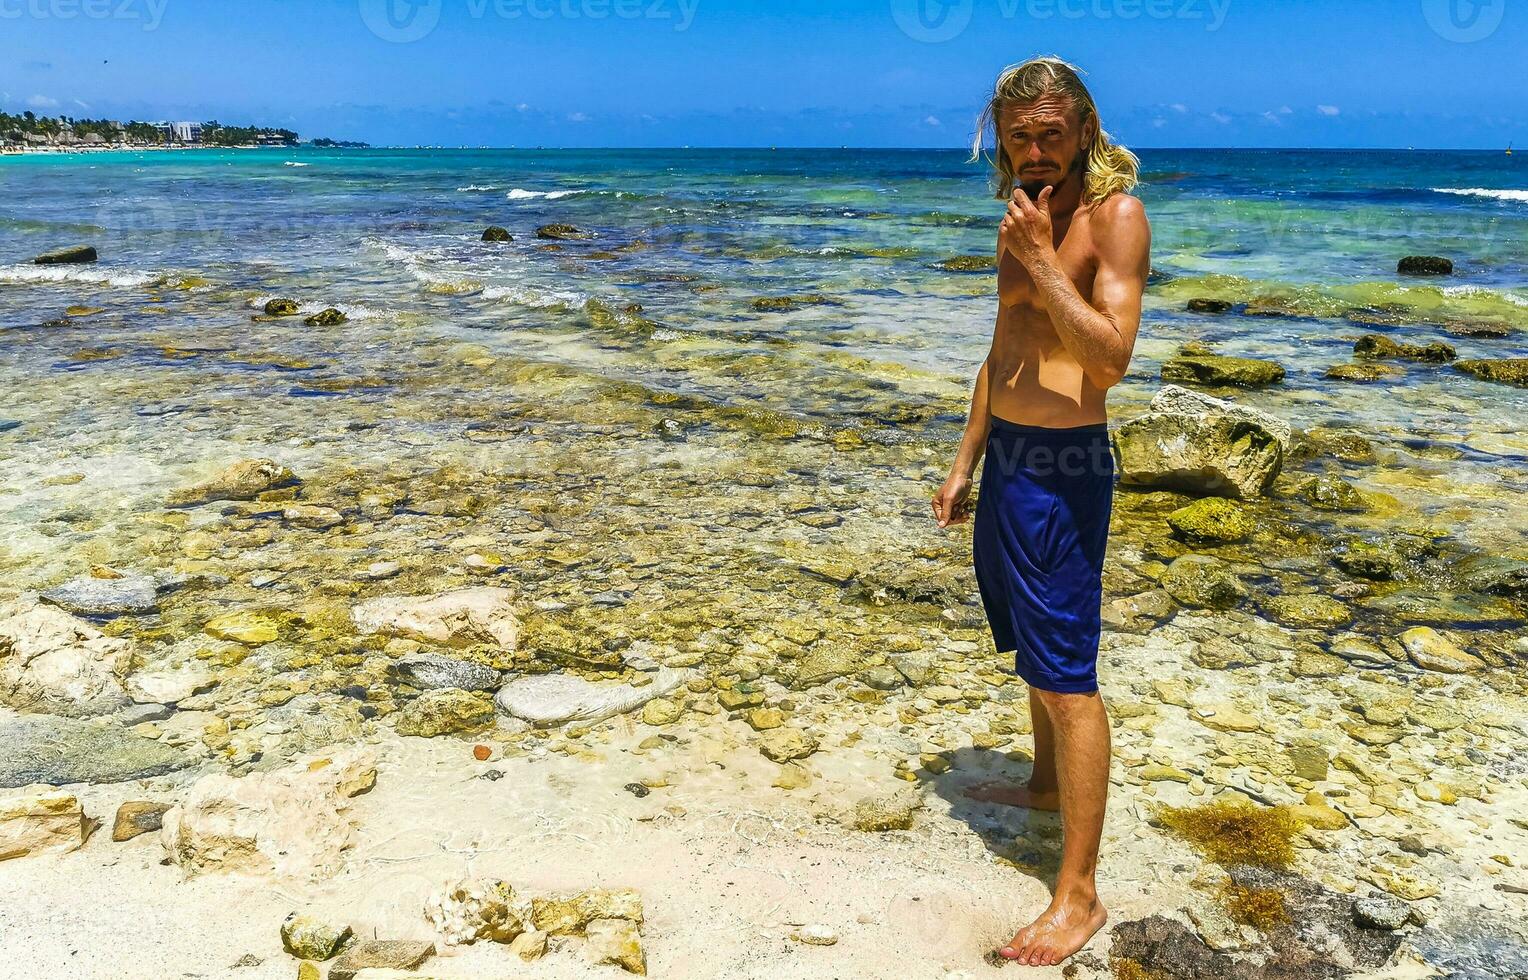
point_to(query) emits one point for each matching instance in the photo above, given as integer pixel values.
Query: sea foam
(1500, 195)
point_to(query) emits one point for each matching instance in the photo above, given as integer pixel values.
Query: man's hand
(1026, 228)
(950, 500)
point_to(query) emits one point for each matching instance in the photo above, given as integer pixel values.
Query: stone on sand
(52, 661)
(460, 618)
(40, 820)
(136, 818)
(552, 699)
(290, 822)
(616, 941)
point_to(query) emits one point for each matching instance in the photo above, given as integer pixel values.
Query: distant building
(186, 132)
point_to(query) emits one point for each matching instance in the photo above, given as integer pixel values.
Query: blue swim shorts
(1040, 530)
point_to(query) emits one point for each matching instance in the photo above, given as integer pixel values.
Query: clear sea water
(192, 243)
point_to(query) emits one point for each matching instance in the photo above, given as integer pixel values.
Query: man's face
(1044, 141)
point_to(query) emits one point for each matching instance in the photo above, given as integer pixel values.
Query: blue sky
(1426, 73)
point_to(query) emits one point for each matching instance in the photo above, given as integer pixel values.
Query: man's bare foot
(1060, 931)
(1010, 794)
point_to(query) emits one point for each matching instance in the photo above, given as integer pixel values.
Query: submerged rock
(1431, 650)
(52, 661)
(1505, 370)
(552, 699)
(1377, 345)
(88, 596)
(1202, 305)
(493, 233)
(291, 821)
(1211, 519)
(444, 712)
(1364, 371)
(330, 317)
(1204, 582)
(1218, 369)
(431, 671)
(563, 232)
(460, 618)
(79, 255)
(1424, 265)
(281, 307)
(244, 480)
(61, 751)
(41, 820)
(968, 263)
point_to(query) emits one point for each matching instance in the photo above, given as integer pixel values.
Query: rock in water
(472, 910)
(460, 618)
(1424, 265)
(244, 480)
(431, 671)
(552, 699)
(136, 818)
(291, 822)
(52, 661)
(1377, 345)
(493, 233)
(1431, 650)
(330, 317)
(281, 307)
(616, 941)
(568, 915)
(1381, 912)
(1204, 582)
(562, 232)
(1208, 455)
(1214, 519)
(1187, 401)
(1505, 370)
(1201, 305)
(381, 954)
(893, 811)
(443, 712)
(1216, 369)
(60, 751)
(40, 820)
(87, 596)
(70, 256)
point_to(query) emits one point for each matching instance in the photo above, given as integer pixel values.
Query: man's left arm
(1101, 334)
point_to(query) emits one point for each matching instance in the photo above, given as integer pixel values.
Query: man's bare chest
(1075, 256)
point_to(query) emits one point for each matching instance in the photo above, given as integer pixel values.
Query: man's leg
(1041, 792)
(1080, 727)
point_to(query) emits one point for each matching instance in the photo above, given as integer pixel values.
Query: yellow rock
(1401, 884)
(252, 627)
(1155, 773)
(1435, 793)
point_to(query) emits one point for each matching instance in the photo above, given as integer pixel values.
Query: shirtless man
(1073, 255)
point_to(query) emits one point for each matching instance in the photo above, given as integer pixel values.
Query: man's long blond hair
(1107, 166)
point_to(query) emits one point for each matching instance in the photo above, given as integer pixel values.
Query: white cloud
(577, 117)
(1158, 123)
(1178, 107)
(82, 105)
(932, 121)
(1273, 117)
(1328, 110)
(523, 107)
(42, 102)
(1220, 117)
(1285, 110)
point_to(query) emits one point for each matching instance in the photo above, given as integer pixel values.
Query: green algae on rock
(1502, 370)
(1221, 370)
(1211, 519)
(1235, 832)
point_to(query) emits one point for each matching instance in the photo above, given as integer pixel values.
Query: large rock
(244, 480)
(569, 914)
(40, 820)
(61, 751)
(54, 662)
(616, 941)
(290, 822)
(461, 618)
(380, 955)
(1209, 455)
(1377, 345)
(1211, 519)
(78, 255)
(1431, 650)
(308, 937)
(170, 684)
(1187, 401)
(563, 232)
(552, 699)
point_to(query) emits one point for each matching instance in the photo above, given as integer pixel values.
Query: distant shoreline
(22, 151)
